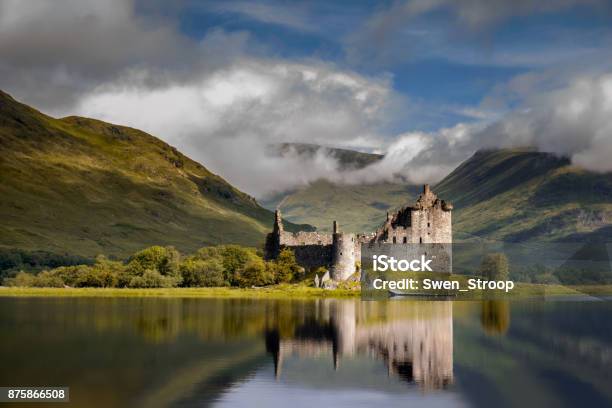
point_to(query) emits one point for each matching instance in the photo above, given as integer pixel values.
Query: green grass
(286, 291)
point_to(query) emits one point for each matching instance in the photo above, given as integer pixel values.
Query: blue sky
(432, 57)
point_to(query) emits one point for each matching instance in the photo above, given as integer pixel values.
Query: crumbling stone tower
(428, 221)
(343, 255)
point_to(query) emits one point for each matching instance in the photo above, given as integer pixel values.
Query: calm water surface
(222, 352)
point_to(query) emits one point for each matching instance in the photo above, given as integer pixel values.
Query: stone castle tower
(428, 221)
(343, 255)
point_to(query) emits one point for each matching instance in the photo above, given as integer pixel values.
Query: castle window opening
(420, 240)
(405, 240)
(394, 240)
(428, 225)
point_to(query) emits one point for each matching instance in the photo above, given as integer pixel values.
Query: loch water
(158, 352)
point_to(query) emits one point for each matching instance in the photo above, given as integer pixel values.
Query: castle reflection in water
(415, 342)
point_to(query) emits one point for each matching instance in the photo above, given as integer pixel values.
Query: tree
(286, 268)
(22, 279)
(494, 266)
(234, 260)
(46, 279)
(198, 272)
(69, 275)
(154, 261)
(151, 278)
(254, 273)
(103, 274)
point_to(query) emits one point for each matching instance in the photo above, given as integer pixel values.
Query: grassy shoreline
(283, 291)
(286, 291)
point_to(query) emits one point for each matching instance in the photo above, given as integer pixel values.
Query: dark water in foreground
(268, 353)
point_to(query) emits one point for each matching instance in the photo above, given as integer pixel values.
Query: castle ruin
(428, 221)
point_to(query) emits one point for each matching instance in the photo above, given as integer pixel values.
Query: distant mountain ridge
(347, 159)
(506, 195)
(85, 187)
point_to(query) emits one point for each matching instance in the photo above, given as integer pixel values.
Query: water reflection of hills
(415, 346)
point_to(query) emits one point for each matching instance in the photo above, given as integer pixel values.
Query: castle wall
(311, 249)
(313, 256)
(292, 239)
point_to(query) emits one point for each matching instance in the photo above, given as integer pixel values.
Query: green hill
(508, 194)
(357, 208)
(521, 194)
(84, 187)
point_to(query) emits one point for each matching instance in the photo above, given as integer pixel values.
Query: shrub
(254, 273)
(103, 274)
(153, 261)
(209, 252)
(234, 260)
(69, 275)
(47, 279)
(22, 279)
(198, 272)
(286, 268)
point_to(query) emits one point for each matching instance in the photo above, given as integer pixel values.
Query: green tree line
(164, 267)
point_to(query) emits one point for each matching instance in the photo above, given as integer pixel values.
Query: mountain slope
(357, 208)
(508, 194)
(85, 187)
(521, 194)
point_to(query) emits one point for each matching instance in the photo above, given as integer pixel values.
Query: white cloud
(228, 118)
(295, 16)
(573, 120)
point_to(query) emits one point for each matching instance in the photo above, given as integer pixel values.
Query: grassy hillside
(85, 187)
(509, 194)
(357, 208)
(521, 194)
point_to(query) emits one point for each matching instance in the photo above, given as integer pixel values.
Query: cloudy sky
(427, 82)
